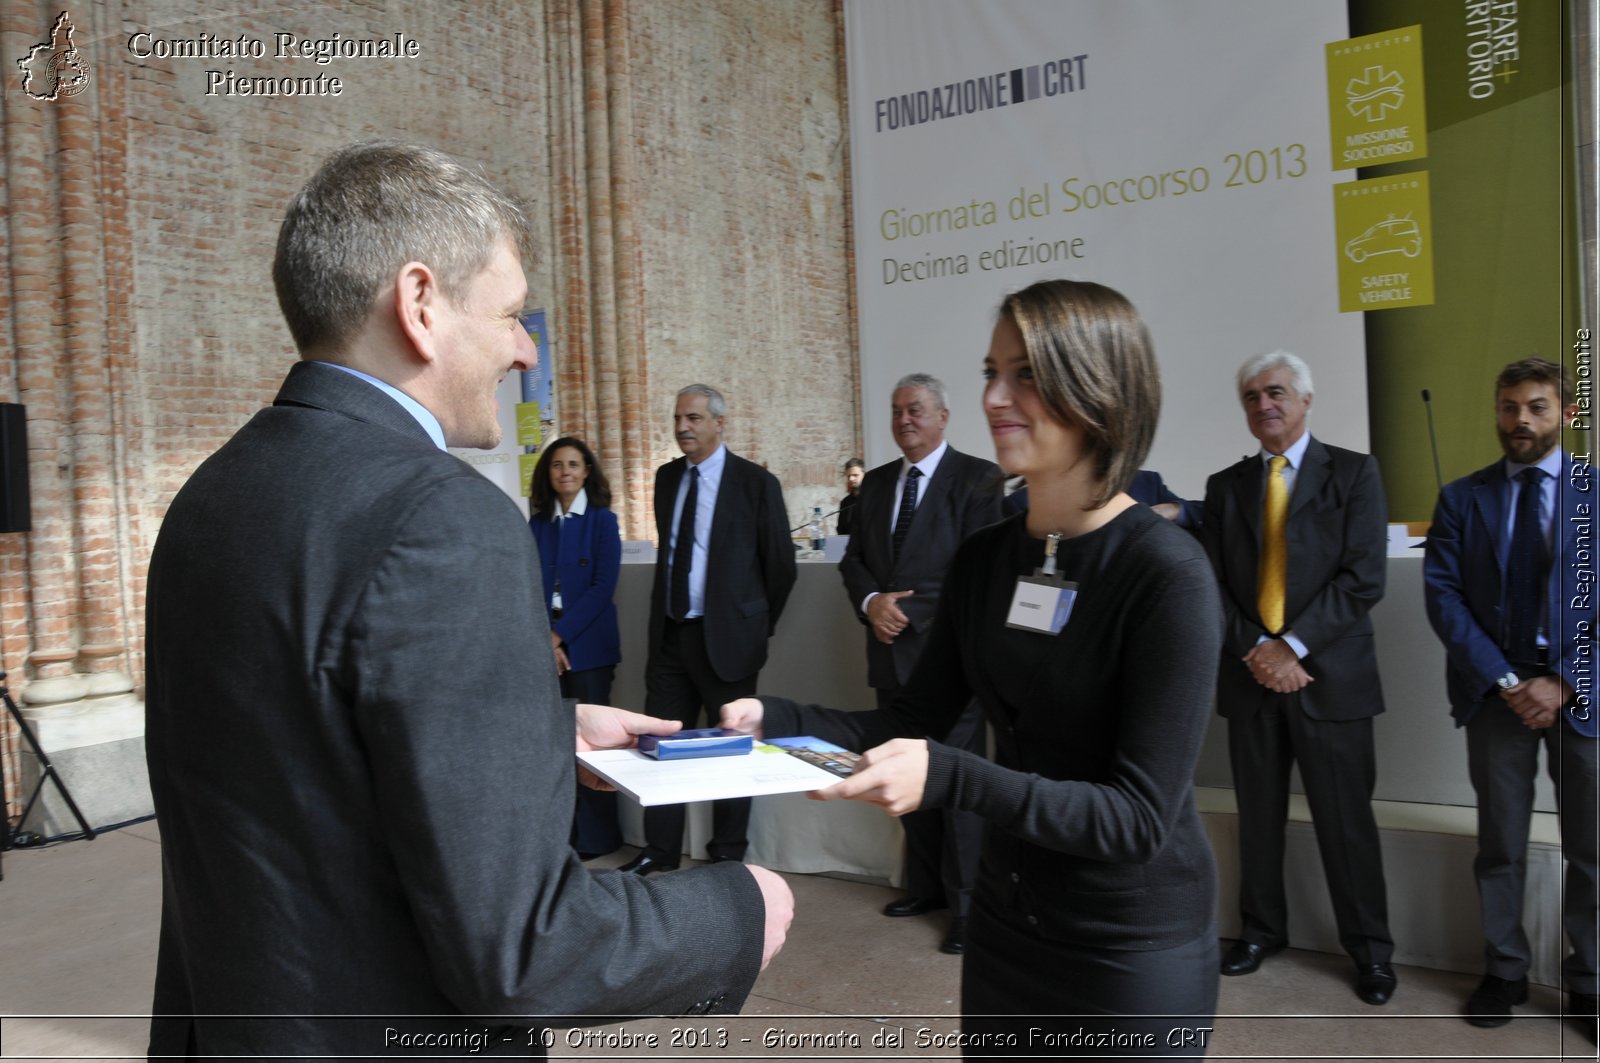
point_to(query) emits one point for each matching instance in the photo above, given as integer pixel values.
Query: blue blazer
(1465, 572)
(586, 558)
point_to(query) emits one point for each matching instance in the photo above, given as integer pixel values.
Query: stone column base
(96, 745)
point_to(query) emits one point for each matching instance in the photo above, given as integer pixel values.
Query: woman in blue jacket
(580, 554)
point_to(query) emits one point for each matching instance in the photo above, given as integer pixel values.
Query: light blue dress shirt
(428, 421)
(705, 506)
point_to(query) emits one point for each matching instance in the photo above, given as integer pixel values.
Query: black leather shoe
(1375, 982)
(914, 906)
(1582, 1009)
(1491, 1003)
(645, 865)
(1244, 957)
(727, 860)
(955, 938)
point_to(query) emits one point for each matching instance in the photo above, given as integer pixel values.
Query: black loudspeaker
(15, 507)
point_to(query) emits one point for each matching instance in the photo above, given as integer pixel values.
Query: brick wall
(208, 177)
(741, 131)
(137, 317)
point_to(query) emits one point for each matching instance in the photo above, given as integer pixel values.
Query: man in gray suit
(913, 513)
(355, 735)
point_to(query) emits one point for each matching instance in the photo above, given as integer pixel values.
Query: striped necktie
(908, 509)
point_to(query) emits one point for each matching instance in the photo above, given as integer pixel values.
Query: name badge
(1042, 604)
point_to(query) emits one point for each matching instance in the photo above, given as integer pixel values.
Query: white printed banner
(1176, 150)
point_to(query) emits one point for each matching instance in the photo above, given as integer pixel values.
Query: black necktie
(908, 509)
(683, 551)
(1526, 571)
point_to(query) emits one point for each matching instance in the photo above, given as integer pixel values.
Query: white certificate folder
(776, 766)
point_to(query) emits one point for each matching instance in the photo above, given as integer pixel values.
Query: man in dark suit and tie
(1510, 590)
(724, 568)
(1298, 537)
(913, 513)
(361, 762)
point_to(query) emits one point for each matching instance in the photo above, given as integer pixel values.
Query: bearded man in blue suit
(1515, 609)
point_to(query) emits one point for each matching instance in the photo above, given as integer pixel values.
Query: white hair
(1299, 371)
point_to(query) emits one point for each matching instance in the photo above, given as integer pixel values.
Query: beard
(1527, 448)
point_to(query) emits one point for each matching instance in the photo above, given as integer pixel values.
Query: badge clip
(1043, 601)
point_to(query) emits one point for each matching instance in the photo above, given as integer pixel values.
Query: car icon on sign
(1391, 236)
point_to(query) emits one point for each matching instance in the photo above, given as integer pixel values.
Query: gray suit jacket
(363, 769)
(962, 496)
(1338, 540)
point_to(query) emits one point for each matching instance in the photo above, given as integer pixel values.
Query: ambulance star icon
(1375, 94)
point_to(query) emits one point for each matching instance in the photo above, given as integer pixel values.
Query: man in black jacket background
(724, 569)
(914, 512)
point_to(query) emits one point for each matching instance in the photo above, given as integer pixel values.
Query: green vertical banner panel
(1377, 100)
(529, 416)
(526, 463)
(1499, 240)
(1385, 237)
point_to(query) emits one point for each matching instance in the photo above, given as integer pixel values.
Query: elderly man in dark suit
(361, 763)
(1298, 538)
(914, 512)
(724, 569)
(1510, 589)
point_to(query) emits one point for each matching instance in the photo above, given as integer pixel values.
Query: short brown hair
(1538, 370)
(1094, 365)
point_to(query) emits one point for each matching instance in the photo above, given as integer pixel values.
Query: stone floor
(78, 926)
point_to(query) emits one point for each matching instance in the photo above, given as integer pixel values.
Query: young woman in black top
(1092, 925)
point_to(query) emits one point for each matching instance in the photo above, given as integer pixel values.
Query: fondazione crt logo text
(1051, 79)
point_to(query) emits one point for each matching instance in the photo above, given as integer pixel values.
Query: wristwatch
(1507, 681)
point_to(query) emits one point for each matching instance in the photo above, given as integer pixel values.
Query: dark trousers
(1503, 759)
(1025, 996)
(943, 845)
(679, 682)
(595, 830)
(1338, 767)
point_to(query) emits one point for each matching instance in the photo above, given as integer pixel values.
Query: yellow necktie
(1273, 575)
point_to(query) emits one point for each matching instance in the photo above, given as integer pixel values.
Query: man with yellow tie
(1297, 534)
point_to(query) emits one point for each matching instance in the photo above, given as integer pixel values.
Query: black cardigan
(1093, 835)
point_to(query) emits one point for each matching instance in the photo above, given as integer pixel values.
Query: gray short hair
(1299, 371)
(934, 385)
(369, 210)
(716, 405)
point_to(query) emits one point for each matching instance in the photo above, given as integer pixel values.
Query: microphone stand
(1433, 440)
(47, 773)
(808, 520)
